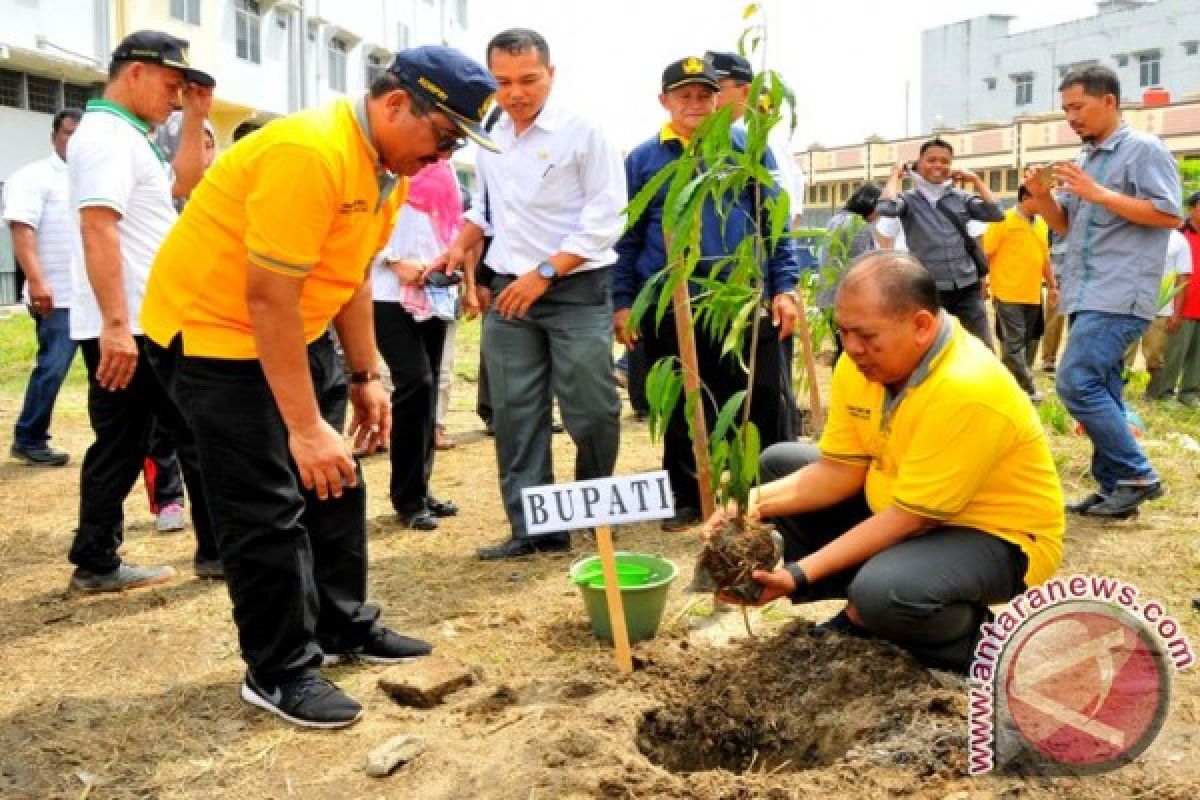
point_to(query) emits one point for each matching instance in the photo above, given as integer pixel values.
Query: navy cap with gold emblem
(731, 65)
(687, 71)
(455, 84)
(156, 47)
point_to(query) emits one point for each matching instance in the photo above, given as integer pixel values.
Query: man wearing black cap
(273, 246)
(122, 186)
(689, 89)
(552, 202)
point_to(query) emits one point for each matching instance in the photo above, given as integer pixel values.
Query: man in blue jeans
(1115, 204)
(36, 210)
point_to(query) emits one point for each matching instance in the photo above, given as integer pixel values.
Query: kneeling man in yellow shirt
(932, 494)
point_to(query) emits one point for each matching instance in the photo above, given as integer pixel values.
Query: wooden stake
(682, 304)
(810, 366)
(612, 593)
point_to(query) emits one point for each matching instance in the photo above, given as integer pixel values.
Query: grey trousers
(1017, 329)
(928, 594)
(562, 345)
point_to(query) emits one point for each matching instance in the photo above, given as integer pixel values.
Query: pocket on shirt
(556, 186)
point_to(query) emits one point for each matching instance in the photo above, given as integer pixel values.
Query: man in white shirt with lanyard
(555, 196)
(35, 207)
(122, 187)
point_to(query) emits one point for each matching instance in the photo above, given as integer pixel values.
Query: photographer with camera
(935, 218)
(413, 309)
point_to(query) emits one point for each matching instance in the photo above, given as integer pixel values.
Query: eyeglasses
(448, 141)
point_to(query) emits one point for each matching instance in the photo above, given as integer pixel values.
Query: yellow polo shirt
(961, 444)
(302, 197)
(1016, 249)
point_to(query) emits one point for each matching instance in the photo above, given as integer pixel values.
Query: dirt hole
(794, 702)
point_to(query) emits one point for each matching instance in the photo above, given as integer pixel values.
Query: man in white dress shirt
(552, 203)
(35, 208)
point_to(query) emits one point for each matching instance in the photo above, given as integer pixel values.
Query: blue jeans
(1090, 386)
(55, 352)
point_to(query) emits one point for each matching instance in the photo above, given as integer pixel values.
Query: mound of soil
(734, 552)
(799, 702)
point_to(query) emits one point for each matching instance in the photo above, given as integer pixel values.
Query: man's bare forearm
(24, 240)
(873, 535)
(274, 309)
(816, 486)
(189, 159)
(355, 325)
(102, 259)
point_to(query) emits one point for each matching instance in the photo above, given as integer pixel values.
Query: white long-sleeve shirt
(557, 187)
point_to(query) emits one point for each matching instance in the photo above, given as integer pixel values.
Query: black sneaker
(840, 623)
(1082, 505)
(1124, 501)
(383, 646)
(309, 701)
(40, 456)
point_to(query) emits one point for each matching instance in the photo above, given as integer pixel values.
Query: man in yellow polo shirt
(274, 245)
(933, 493)
(1018, 253)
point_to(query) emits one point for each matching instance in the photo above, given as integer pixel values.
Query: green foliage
(1054, 415)
(712, 172)
(1189, 173)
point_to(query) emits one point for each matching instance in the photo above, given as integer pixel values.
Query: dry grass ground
(134, 695)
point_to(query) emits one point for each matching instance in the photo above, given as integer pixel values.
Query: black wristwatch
(547, 271)
(793, 569)
(364, 376)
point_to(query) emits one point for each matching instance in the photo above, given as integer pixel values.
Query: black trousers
(1017, 327)
(967, 304)
(164, 479)
(772, 409)
(928, 594)
(295, 565)
(121, 421)
(413, 353)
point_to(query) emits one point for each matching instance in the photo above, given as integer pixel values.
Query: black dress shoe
(40, 456)
(1082, 505)
(526, 545)
(685, 517)
(440, 508)
(1124, 501)
(419, 520)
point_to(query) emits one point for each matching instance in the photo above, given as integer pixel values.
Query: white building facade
(977, 71)
(269, 58)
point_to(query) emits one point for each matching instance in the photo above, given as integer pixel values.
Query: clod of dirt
(735, 551)
(426, 683)
(395, 751)
(795, 702)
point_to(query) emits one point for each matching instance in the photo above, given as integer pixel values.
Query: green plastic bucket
(644, 580)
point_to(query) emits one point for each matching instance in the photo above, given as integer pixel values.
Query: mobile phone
(443, 279)
(1046, 175)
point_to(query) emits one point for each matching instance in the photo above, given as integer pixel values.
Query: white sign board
(605, 501)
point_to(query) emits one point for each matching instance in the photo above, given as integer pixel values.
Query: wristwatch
(547, 271)
(364, 376)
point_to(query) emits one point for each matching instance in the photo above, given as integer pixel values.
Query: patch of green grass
(18, 348)
(1054, 416)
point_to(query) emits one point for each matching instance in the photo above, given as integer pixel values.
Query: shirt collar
(548, 119)
(925, 366)
(668, 134)
(385, 179)
(104, 106)
(1114, 139)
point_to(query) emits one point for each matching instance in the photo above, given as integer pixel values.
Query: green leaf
(779, 209)
(637, 206)
(664, 382)
(728, 414)
(752, 446)
(749, 11)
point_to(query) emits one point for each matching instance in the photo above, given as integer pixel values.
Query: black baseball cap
(689, 70)
(731, 65)
(156, 47)
(454, 83)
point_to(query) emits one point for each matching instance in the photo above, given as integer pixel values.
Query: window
(1012, 180)
(247, 30)
(402, 36)
(1024, 89)
(1149, 68)
(1190, 48)
(376, 66)
(11, 91)
(1122, 60)
(337, 64)
(186, 11)
(43, 94)
(989, 84)
(460, 12)
(995, 179)
(824, 194)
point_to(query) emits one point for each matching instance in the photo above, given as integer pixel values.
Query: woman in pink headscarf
(411, 319)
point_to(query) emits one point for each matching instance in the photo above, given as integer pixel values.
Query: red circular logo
(1086, 685)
